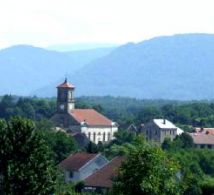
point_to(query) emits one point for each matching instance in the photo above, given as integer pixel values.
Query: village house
(80, 165)
(94, 125)
(203, 137)
(159, 129)
(102, 180)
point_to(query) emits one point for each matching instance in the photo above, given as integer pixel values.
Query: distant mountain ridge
(171, 67)
(25, 68)
(80, 46)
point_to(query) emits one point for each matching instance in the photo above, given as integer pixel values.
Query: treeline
(125, 111)
(32, 108)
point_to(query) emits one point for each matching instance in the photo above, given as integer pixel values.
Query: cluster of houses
(89, 125)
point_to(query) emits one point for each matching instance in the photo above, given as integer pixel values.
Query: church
(94, 125)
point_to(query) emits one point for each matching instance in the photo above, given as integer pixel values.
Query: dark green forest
(124, 111)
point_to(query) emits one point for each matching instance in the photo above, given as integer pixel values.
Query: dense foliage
(32, 108)
(124, 111)
(25, 159)
(61, 144)
(197, 165)
(147, 170)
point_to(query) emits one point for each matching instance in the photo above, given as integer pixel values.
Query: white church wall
(96, 134)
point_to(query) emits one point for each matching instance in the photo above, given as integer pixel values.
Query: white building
(158, 129)
(95, 126)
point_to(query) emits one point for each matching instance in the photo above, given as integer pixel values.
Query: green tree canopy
(147, 170)
(60, 143)
(25, 162)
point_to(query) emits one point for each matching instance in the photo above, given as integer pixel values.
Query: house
(80, 165)
(102, 179)
(96, 127)
(203, 137)
(133, 129)
(159, 129)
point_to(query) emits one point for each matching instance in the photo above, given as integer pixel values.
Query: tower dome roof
(66, 84)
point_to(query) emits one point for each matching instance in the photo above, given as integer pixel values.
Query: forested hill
(24, 68)
(171, 67)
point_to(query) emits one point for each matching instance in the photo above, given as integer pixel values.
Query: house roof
(201, 138)
(75, 161)
(205, 130)
(66, 84)
(104, 176)
(164, 124)
(179, 131)
(90, 117)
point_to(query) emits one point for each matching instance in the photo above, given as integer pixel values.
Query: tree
(167, 144)
(184, 141)
(123, 136)
(91, 148)
(60, 143)
(25, 162)
(147, 170)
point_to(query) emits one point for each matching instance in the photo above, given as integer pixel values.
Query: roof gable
(104, 176)
(75, 161)
(90, 117)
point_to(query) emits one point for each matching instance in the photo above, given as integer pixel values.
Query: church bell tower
(65, 99)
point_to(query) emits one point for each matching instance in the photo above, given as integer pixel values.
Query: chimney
(164, 121)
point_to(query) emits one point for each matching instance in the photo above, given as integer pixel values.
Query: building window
(170, 132)
(94, 137)
(109, 136)
(89, 135)
(104, 136)
(71, 174)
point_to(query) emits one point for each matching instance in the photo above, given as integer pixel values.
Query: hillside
(171, 67)
(26, 68)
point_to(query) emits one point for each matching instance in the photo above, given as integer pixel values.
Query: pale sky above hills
(47, 22)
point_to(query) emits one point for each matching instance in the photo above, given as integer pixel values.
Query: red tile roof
(201, 138)
(104, 176)
(90, 117)
(75, 161)
(66, 84)
(205, 130)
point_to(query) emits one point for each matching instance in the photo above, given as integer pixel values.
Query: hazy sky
(47, 22)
